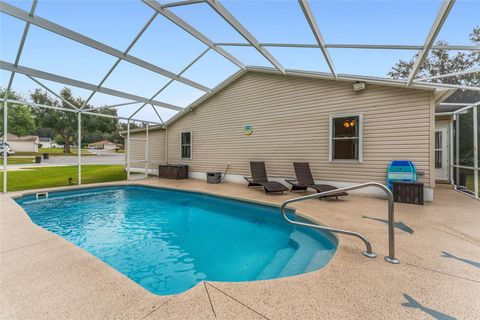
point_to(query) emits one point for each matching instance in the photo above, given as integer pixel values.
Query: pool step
(316, 260)
(300, 260)
(273, 268)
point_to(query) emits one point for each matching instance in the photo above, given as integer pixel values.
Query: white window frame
(360, 137)
(182, 145)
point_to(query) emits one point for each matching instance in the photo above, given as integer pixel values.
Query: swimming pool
(167, 241)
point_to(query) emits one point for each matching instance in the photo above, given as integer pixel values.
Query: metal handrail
(369, 253)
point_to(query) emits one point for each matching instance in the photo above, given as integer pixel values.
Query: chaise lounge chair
(305, 180)
(259, 179)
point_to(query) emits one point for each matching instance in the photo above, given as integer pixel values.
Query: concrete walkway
(44, 276)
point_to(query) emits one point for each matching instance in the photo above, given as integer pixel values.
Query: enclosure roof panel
(171, 53)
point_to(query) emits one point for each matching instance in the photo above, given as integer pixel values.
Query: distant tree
(99, 128)
(20, 118)
(64, 124)
(116, 137)
(44, 132)
(442, 61)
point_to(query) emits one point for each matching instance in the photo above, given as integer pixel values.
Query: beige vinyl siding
(290, 117)
(156, 149)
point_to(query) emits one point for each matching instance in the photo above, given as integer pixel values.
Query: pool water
(167, 241)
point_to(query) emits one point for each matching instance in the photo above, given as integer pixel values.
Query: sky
(117, 22)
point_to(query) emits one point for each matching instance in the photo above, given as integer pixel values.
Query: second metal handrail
(369, 253)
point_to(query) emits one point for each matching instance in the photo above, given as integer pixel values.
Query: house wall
(290, 119)
(109, 146)
(46, 144)
(23, 146)
(156, 149)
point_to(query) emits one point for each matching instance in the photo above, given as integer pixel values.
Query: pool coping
(348, 287)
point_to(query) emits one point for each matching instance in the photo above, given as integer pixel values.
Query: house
(105, 145)
(56, 145)
(23, 144)
(347, 136)
(45, 142)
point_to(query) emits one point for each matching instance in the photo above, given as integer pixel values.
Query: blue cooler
(401, 170)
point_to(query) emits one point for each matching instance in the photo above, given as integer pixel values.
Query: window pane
(466, 181)
(438, 140)
(185, 137)
(185, 151)
(466, 138)
(438, 159)
(345, 149)
(455, 151)
(478, 135)
(345, 127)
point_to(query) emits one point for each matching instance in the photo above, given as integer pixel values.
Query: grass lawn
(55, 152)
(48, 177)
(13, 160)
(470, 183)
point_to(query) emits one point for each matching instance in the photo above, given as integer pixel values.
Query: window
(438, 149)
(345, 137)
(186, 145)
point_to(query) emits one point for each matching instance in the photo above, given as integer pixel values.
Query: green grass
(470, 183)
(13, 160)
(48, 177)
(55, 152)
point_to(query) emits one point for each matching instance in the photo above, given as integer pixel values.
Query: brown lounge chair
(259, 179)
(305, 180)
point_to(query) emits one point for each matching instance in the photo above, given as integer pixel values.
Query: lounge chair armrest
(292, 181)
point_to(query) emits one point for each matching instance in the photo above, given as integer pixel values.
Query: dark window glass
(438, 140)
(186, 145)
(185, 137)
(345, 149)
(345, 138)
(345, 127)
(438, 149)
(438, 159)
(478, 135)
(465, 142)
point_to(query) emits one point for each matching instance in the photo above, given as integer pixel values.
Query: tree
(20, 118)
(99, 128)
(442, 61)
(62, 122)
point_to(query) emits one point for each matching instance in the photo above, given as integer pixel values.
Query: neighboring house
(45, 142)
(105, 145)
(347, 136)
(23, 144)
(56, 145)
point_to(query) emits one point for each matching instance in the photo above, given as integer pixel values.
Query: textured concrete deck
(45, 277)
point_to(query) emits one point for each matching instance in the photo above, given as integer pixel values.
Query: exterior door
(441, 154)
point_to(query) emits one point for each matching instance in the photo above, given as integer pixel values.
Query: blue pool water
(167, 241)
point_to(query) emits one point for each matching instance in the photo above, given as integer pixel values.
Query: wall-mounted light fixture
(359, 86)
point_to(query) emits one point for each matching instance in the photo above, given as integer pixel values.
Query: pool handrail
(368, 253)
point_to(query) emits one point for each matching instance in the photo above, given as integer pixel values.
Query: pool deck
(44, 276)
